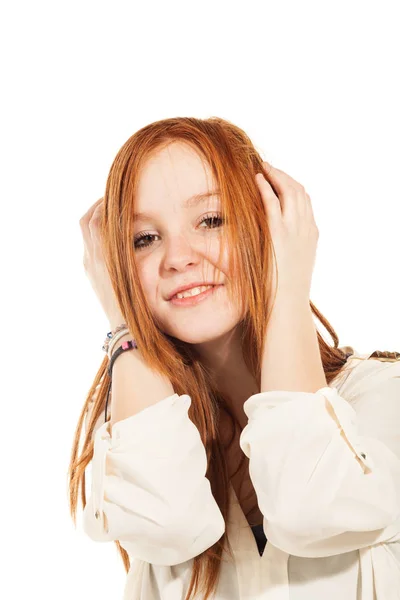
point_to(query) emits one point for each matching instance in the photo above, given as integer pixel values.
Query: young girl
(235, 453)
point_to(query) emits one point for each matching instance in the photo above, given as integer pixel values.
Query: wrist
(115, 321)
(122, 338)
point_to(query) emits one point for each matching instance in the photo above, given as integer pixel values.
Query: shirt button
(97, 514)
(363, 455)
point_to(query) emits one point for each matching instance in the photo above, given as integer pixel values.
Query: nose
(179, 253)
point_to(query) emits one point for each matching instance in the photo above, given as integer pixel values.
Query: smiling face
(177, 242)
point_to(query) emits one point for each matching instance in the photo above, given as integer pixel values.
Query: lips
(190, 286)
(191, 301)
(208, 286)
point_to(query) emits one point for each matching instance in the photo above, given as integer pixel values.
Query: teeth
(193, 291)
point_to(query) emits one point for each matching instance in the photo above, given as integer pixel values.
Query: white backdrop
(314, 84)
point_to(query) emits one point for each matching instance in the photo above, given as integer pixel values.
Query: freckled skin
(182, 250)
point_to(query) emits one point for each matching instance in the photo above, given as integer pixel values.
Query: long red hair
(233, 161)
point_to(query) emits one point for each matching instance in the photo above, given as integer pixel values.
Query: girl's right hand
(94, 264)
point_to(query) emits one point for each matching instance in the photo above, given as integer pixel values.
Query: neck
(224, 359)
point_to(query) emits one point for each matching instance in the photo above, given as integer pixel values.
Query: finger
(88, 214)
(95, 223)
(292, 194)
(86, 223)
(87, 218)
(270, 199)
(280, 178)
(282, 189)
(97, 214)
(310, 210)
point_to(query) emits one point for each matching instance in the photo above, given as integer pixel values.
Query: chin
(203, 327)
(200, 333)
(198, 338)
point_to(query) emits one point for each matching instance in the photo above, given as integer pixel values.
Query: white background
(314, 84)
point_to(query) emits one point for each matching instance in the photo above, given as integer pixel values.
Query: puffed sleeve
(327, 472)
(148, 486)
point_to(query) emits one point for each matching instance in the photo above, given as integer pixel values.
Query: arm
(327, 472)
(291, 358)
(149, 488)
(134, 385)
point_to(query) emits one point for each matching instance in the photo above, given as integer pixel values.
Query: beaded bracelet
(111, 334)
(114, 340)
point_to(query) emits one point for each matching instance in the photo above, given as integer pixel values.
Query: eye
(144, 239)
(213, 218)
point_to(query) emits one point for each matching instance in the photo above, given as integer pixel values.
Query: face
(177, 244)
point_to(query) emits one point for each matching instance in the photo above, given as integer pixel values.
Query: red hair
(233, 161)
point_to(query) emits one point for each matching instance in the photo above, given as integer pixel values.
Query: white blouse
(326, 470)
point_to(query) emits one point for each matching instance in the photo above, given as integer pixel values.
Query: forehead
(172, 176)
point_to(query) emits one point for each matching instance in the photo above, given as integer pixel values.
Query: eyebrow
(188, 203)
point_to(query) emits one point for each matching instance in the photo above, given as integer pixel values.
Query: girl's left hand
(293, 230)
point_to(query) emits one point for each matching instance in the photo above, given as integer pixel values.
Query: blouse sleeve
(327, 472)
(149, 490)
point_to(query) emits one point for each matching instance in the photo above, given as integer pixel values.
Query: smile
(196, 299)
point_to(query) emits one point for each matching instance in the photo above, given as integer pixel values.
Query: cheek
(213, 259)
(148, 279)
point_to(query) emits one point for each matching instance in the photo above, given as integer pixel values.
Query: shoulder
(365, 371)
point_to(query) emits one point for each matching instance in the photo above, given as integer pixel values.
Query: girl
(241, 455)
